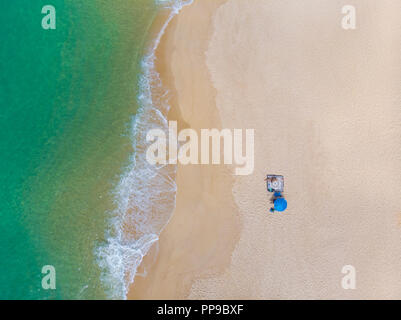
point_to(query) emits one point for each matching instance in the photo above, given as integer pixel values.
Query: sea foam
(145, 195)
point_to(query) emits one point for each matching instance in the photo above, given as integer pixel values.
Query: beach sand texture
(325, 106)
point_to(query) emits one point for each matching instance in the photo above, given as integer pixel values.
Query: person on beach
(279, 203)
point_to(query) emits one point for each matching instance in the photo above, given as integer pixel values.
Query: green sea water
(66, 97)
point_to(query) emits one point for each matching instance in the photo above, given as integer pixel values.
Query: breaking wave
(145, 195)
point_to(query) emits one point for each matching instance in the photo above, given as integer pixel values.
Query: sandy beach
(325, 106)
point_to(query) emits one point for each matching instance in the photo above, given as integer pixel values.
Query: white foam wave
(145, 195)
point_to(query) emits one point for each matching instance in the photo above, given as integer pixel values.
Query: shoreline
(145, 194)
(182, 242)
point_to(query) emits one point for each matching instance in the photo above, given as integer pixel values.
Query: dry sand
(325, 106)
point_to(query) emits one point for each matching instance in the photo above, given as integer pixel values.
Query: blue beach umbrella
(280, 204)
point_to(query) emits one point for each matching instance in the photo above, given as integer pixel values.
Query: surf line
(174, 310)
(188, 152)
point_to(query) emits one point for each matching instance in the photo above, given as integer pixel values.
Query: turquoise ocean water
(67, 98)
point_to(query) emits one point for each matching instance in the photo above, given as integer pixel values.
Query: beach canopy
(280, 204)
